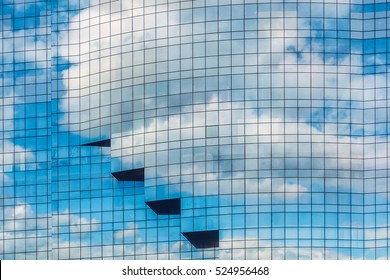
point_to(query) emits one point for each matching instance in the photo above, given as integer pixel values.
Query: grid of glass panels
(266, 120)
(25, 197)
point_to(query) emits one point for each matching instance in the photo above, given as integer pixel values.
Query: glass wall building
(177, 129)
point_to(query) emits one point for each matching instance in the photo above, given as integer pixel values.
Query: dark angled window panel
(102, 143)
(130, 175)
(203, 239)
(165, 206)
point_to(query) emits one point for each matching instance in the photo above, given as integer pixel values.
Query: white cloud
(15, 218)
(76, 223)
(11, 154)
(124, 243)
(128, 232)
(21, 237)
(26, 45)
(293, 69)
(379, 232)
(281, 253)
(282, 191)
(296, 144)
(14, 154)
(22, 211)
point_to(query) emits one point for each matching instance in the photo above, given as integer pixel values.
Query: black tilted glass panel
(203, 239)
(165, 206)
(102, 143)
(130, 175)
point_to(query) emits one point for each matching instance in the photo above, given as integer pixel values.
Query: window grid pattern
(25, 197)
(221, 129)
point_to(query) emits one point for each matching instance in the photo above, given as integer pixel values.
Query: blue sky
(298, 193)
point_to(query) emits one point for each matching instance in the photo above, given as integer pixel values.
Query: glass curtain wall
(218, 129)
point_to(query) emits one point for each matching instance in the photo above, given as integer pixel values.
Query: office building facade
(218, 129)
